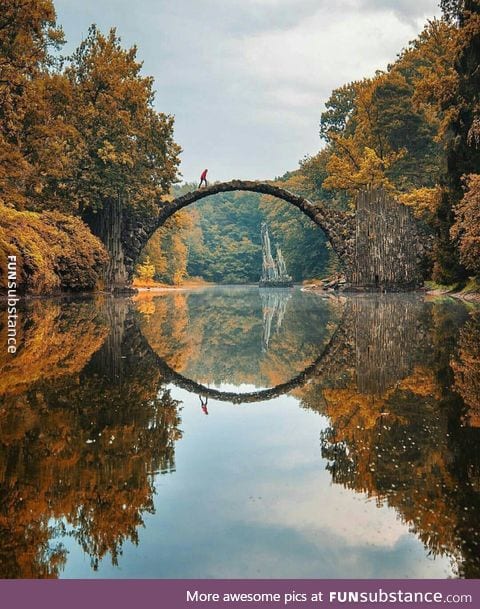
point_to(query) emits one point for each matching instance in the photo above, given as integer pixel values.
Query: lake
(235, 432)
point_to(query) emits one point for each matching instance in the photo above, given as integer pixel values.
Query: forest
(218, 240)
(79, 131)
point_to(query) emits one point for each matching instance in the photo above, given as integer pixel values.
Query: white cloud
(303, 63)
(247, 79)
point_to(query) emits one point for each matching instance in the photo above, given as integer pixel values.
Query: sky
(247, 80)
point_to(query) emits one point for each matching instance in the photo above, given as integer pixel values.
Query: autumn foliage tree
(376, 131)
(126, 146)
(91, 433)
(54, 251)
(462, 132)
(27, 33)
(77, 133)
(466, 228)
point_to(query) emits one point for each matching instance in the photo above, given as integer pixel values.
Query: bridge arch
(339, 227)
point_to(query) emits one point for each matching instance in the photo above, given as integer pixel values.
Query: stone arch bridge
(380, 246)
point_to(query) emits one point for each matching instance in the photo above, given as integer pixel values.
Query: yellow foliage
(167, 251)
(423, 201)
(53, 251)
(146, 270)
(356, 170)
(466, 228)
(466, 368)
(100, 489)
(422, 382)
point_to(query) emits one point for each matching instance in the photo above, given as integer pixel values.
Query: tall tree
(463, 133)
(27, 32)
(384, 131)
(127, 147)
(466, 228)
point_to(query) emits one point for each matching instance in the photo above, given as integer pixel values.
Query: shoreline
(465, 297)
(471, 297)
(132, 291)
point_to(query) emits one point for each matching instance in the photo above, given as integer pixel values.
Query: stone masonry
(380, 247)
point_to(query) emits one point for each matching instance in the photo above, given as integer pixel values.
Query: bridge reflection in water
(90, 419)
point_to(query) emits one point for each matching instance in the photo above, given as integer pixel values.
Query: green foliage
(54, 251)
(226, 247)
(337, 117)
(225, 244)
(302, 242)
(218, 239)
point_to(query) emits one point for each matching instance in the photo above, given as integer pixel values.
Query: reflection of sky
(250, 498)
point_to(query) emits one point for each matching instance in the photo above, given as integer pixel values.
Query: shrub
(54, 252)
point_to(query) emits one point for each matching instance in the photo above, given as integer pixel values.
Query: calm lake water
(241, 433)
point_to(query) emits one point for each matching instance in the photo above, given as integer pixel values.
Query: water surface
(241, 433)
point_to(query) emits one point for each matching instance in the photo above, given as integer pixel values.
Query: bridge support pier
(390, 249)
(107, 225)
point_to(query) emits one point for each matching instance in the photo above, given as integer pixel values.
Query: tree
(383, 131)
(168, 250)
(385, 139)
(339, 109)
(27, 31)
(54, 251)
(451, 9)
(463, 134)
(302, 242)
(466, 228)
(146, 270)
(127, 147)
(68, 486)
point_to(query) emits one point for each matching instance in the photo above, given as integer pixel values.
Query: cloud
(247, 79)
(407, 10)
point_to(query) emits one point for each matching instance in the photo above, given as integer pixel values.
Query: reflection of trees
(82, 437)
(54, 340)
(402, 441)
(466, 367)
(165, 323)
(79, 448)
(216, 337)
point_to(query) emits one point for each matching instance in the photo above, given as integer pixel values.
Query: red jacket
(204, 175)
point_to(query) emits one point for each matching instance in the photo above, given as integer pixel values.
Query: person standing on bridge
(203, 178)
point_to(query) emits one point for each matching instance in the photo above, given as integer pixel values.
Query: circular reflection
(236, 341)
